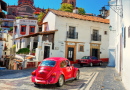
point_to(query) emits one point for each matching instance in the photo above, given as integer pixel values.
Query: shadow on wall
(111, 58)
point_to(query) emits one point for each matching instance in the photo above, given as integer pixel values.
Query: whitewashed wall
(84, 29)
(126, 50)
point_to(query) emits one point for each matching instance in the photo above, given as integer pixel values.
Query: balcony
(95, 37)
(72, 35)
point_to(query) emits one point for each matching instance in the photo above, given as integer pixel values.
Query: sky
(90, 6)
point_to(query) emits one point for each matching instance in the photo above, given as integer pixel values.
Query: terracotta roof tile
(78, 16)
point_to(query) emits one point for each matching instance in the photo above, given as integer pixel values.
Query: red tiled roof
(77, 16)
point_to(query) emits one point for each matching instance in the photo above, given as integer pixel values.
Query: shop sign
(71, 43)
(95, 45)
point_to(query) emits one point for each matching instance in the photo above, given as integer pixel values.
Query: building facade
(119, 36)
(66, 35)
(24, 8)
(73, 2)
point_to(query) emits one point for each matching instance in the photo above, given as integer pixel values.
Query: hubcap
(100, 63)
(77, 75)
(91, 64)
(61, 81)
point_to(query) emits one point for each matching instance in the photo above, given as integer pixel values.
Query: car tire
(100, 64)
(91, 64)
(61, 81)
(77, 75)
(36, 84)
(81, 65)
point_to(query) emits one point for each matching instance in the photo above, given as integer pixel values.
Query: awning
(38, 33)
(3, 5)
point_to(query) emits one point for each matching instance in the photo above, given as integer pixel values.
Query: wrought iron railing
(95, 37)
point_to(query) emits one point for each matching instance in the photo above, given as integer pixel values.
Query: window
(11, 24)
(95, 36)
(63, 64)
(23, 29)
(6, 23)
(86, 57)
(81, 48)
(71, 33)
(95, 58)
(48, 63)
(68, 63)
(105, 32)
(15, 29)
(92, 57)
(32, 29)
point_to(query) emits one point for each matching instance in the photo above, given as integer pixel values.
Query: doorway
(70, 54)
(95, 52)
(46, 51)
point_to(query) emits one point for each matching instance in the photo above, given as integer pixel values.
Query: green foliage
(18, 17)
(14, 46)
(0, 29)
(81, 11)
(26, 16)
(66, 7)
(40, 16)
(10, 29)
(23, 51)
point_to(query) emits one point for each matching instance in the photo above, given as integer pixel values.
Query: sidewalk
(108, 80)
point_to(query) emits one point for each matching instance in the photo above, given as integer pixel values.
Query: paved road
(91, 78)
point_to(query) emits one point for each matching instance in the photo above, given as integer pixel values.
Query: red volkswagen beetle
(89, 60)
(55, 70)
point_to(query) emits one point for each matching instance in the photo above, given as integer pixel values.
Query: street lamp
(110, 28)
(103, 12)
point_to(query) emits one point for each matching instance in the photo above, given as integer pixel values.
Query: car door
(96, 60)
(70, 69)
(64, 68)
(93, 60)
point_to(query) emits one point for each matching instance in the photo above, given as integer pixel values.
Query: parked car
(55, 70)
(89, 60)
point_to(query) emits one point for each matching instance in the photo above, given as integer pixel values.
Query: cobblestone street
(91, 78)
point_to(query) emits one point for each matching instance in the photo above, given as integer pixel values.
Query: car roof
(56, 58)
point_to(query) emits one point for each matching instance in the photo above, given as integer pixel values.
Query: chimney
(75, 10)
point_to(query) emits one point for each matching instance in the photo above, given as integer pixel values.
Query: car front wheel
(37, 84)
(91, 64)
(60, 81)
(100, 64)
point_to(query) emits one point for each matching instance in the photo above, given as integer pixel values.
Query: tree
(10, 29)
(66, 7)
(81, 11)
(23, 51)
(40, 16)
(0, 29)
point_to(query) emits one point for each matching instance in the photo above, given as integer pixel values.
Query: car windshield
(86, 57)
(48, 63)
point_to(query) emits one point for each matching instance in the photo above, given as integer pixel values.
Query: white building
(66, 35)
(120, 39)
(5, 45)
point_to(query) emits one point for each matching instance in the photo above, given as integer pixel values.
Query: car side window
(95, 58)
(68, 63)
(83, 57)
(63, 64)
(92, 57)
